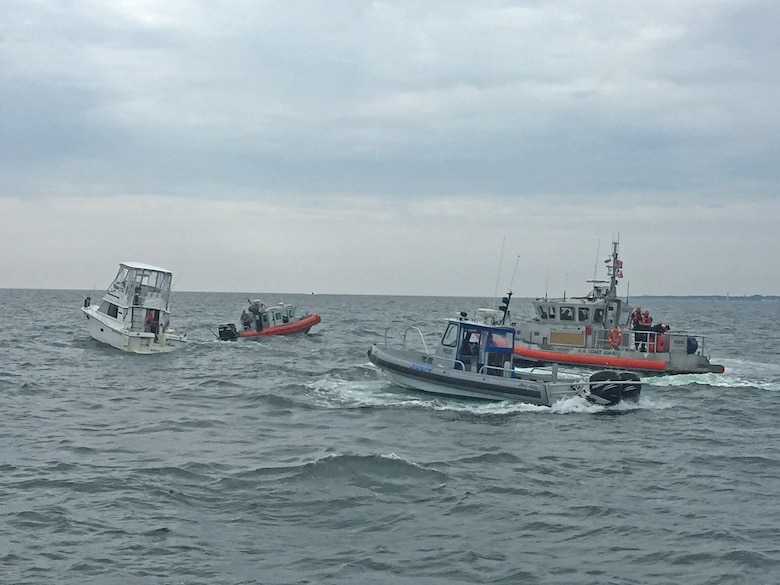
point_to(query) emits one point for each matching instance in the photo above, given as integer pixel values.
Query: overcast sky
(398, 147)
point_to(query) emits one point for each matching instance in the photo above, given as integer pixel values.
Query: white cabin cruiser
(597, 331)
(134, 314)
(474, 360)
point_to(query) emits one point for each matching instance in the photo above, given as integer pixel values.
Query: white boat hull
(102, 329)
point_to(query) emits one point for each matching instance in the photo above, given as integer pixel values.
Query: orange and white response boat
(260, 320)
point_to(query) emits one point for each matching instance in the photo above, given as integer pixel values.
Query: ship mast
(614, 271)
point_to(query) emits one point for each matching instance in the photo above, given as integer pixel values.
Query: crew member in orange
(636, 317)
(661, 341)
(645, 323)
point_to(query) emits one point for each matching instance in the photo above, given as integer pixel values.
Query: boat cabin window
(468, 337)
(610, 313)
(583, 314)
(113, 310)
(567, 314)
(150, 281)
(450, 337)
(500, 340)
(598, 315)
(470, 343)
(546, 311)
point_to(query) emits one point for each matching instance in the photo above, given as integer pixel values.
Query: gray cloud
(669, 105)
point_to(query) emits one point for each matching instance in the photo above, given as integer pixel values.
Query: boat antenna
(511, 282)
(498, 274)
(596, 263)
(504, 306)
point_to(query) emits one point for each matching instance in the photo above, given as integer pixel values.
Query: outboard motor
(608, 388)
(228, 332)
(632, 386)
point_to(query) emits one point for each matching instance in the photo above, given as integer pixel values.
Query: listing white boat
(475, 360)
(597, 331)
(134, 314)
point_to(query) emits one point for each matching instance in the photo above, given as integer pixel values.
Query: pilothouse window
(450, 338)
(501, 340)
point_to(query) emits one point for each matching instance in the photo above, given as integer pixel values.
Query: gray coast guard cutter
(595, 331)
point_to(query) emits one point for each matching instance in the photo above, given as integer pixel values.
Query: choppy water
(292, 460)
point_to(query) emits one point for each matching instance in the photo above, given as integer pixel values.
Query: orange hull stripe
(595, 360)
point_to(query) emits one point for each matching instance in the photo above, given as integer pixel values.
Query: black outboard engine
(228, 332)
(632, 386)
(609, 388)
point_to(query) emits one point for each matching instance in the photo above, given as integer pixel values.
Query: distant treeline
(711, 297)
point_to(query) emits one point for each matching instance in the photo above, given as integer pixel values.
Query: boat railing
(447, 362)
(505, 371)
(647, 341)
(415, 330)
(547, 377)
(405, 336)
(703, 349)
(181, 331)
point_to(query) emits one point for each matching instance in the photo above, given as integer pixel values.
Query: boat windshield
(450, 337)
(120, 282)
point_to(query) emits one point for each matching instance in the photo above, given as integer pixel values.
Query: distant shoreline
(711, 297)
(631, 298)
